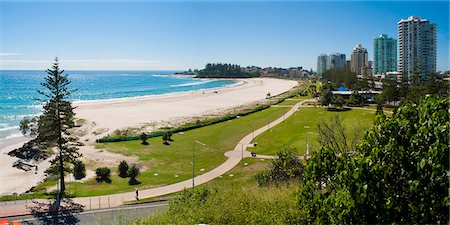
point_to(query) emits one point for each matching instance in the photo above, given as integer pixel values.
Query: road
(118, 215)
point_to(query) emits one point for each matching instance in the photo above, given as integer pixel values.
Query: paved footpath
(107, 201)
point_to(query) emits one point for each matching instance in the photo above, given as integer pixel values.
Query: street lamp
(307, 146)
(193, 162)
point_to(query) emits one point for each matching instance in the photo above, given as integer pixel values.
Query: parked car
(6, 222)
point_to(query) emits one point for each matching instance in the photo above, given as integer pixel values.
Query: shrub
(231, 205)
(123, 169)
(133, 173)
(144, 138)
(103, 174)
(398, 174)
(287, 166)
(79, 170)
(166, 138)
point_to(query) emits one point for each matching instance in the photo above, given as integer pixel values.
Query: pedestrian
(137, 194)
(36, 169)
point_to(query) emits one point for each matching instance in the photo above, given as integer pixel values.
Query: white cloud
(9, 54)
(90, 64)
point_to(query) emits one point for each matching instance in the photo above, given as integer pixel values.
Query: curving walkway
(107, 201)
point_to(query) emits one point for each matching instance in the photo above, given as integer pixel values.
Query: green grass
(40, 192)
(292, 132)
(175, 159)
(290, 102)
(232, 200)
(374, 107)
(241, 175)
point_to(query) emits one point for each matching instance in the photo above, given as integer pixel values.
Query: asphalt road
(119, 215)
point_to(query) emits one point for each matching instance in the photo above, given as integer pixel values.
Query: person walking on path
(137, 194)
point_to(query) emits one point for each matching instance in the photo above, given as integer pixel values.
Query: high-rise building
(332, 61)
(359, 59)
(416, 46)
(336, 60)
(384, 54)
(322, 64)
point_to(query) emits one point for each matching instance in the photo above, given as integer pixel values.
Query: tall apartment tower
(359, 59)
(322, 64)
(416, 46)
(384, 54)
(336, 60)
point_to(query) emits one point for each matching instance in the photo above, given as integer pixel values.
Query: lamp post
(193, 161)
(307, 146)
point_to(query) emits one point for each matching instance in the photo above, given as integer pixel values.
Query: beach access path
(108, 201)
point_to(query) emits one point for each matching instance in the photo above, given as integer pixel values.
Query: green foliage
(133, 172)
(144, 138)
(123, 169)
(326, 95)
(29, 127)
(238, 204)
(340, 77)
(390, 90)
(338, 101)
(166, 137)
(410, 90)
(219, 70)
(355, 99)
(103, 174)
(79, 170)
(183, 128)
(285, 167)
(398, 174)
(52, 127)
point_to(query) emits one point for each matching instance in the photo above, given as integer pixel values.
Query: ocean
(18, 90)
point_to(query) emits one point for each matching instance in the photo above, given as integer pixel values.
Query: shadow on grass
(63, 211)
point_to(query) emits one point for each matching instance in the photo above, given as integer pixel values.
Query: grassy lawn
(374, 107)
(292, 101)
(292, 132)
(241, 175)
(167, 164)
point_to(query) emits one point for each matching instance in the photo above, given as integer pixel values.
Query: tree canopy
(398, 174)
(223, 70)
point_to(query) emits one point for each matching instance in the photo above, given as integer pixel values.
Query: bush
(133, 173)
(144, 138)
(398, 174)
(167, 136)
(231, 205)
(287, 166)
(79, 170)
(103, 174)
(123, 169)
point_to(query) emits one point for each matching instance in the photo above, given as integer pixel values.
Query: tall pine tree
(56, 121)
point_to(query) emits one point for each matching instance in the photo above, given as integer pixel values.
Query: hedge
(193, 126)
(182, 129)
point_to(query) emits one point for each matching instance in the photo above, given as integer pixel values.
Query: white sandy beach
(134, 112)
(117, 114)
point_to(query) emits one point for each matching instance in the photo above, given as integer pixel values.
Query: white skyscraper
(416, 46)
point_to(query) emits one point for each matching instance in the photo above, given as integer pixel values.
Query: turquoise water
(18, 90)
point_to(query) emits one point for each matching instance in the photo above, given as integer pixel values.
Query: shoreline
(125, 113)
(8, 141)
(103, 117)
(152, 96)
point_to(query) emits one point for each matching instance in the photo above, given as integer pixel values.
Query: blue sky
(146, 35)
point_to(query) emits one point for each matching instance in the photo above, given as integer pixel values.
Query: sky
(178, 35)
